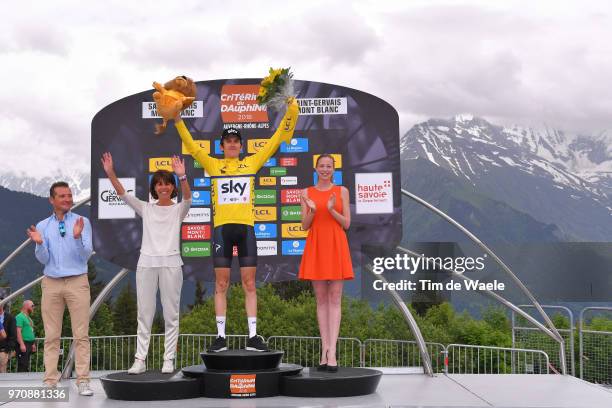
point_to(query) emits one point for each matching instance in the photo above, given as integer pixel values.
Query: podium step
(241, 383)
(151, 386)
(242, 360)
(346, 382)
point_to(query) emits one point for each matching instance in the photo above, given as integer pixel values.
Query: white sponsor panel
(110, 206)
(233, 190)
(198, 214)
(195, 110)
(322, 106)
(267, 248)
(374, 193)
(288, 181)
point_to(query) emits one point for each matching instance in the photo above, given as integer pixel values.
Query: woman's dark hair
(165, 176)
(329, 156)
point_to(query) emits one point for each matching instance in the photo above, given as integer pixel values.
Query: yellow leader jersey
(233, 180)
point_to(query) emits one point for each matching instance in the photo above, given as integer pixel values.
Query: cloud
(512, 62)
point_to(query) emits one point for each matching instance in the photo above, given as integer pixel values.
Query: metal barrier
(468, 359)
(596, 346)
(306, 351)
(116, 353)
(401, 353)
(530, 337)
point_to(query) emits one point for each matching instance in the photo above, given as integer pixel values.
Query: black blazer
(10, 343)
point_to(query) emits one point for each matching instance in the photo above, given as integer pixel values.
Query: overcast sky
(528, 62)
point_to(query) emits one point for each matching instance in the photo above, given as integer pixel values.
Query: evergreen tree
(124, 311)
(200, 293)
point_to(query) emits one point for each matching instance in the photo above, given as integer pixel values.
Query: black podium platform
(241, 374)
(346, 382)
(151, 386)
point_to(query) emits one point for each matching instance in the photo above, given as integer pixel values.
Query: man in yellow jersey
(233, 197)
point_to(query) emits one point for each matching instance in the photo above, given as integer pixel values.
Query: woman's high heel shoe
(322, 367)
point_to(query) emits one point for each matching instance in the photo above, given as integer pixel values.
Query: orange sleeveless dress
(326, 253)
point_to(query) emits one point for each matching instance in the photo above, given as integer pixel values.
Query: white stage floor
(394, 390)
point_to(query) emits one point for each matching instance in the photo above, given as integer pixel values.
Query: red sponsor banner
(239, 104)
(288, 161)
(291, 196)
(195, 232)
(243, 385)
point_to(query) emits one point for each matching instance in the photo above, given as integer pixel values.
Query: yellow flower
(262, 91)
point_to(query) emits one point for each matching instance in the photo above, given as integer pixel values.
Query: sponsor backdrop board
(359, 129)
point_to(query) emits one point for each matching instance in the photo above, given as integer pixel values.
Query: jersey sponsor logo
(200, 198)
(234, 190)
(337, 160)
(265, 231)
(293, 247)
(195, 232)
(195, 249)
(110, 205)
(336, 178)
(203, 144)
(265, 214)
(271, 162)
(267, 181)
(289, 181)
(201, 182)
(267, 248)
(265, 197)
(291, 196)
(196, 214)
(160, 163)
(294, 230)
(296, 145)
(239, 104)
(255, 145)
(288, 161)
(195, 110)
(291, 213)
(373, 193)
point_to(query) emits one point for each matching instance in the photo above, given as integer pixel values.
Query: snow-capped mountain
(556, 177)
(79, 184)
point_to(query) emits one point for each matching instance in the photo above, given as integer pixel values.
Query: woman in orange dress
(326, 260)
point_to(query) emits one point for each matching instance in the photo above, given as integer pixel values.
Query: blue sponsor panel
(296, 145)
(294, 247)
(336, 179)
(201, 182)
(271, 162)
(265, 231)
(199, 198)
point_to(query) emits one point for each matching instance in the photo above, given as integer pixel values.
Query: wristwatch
(183, 177)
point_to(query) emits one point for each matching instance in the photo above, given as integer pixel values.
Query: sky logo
(296, 145)
(199, 198)
(265, 231)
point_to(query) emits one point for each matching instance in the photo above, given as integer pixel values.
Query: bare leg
(247, 274)
(222, 277)
(335, 314)
(322, 298)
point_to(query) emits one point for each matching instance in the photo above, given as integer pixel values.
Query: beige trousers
(57, 293)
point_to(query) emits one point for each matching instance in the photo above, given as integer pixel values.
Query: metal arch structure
(551, 330)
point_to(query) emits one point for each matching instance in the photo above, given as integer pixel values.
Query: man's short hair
(57, 184)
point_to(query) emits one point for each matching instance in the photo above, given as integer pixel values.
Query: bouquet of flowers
(276, 89)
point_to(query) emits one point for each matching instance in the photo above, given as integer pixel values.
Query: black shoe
(322, 367)
(220, 344)
(332, 369)
(256, 343)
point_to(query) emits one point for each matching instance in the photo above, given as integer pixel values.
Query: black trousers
(23, 359)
